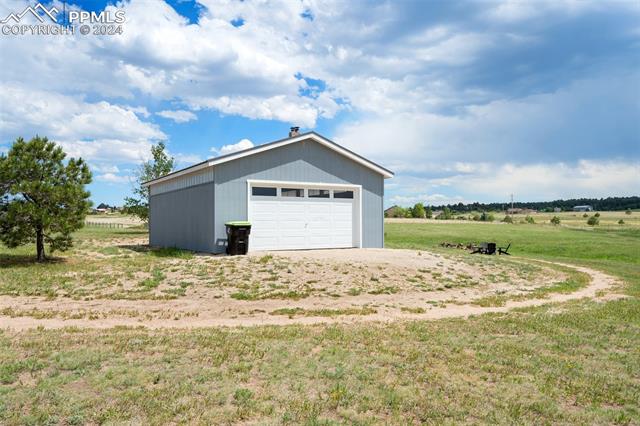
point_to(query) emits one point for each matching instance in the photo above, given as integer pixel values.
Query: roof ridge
(259, 148)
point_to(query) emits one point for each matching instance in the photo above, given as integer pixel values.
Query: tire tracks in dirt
(600, 282)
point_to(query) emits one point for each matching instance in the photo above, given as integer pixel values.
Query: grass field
(606, 219)
(615, 250)
(575, 363)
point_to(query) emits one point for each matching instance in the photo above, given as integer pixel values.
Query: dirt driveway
(294, 287)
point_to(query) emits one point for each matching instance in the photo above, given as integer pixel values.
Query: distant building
(391, 211)
(103, 208)
(557, 209)
(582, 208)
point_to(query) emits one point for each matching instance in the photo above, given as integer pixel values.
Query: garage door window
(318, 193)
(292, 192)
(342, 194)
(263, 191)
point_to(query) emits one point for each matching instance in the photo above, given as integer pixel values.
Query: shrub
(621, 222)
(585, 215)
(507, 219)
(476, 217)
(597, 215)
(486, 217)
(428, 213)
(593, 221)
(446, 214)
(418, 211)
(555, 220)
(628, 211)
(530, 219)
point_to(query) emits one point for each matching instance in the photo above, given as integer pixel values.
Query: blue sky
(465, 101)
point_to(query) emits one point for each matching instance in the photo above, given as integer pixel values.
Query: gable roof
(271, 145)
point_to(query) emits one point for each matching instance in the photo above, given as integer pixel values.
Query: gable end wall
(306, 161)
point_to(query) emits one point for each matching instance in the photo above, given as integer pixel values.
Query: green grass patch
(611, 249)
(417, 310)
(171, 252)
(574, 282)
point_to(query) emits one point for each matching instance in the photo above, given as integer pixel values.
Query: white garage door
(297, 217)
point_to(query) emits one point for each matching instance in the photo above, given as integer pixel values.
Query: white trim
(248, 202)
(214, 161)
(280, 183)
(295, 182)
(360, 237)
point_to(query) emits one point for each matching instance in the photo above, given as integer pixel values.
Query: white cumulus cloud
(228, 149)
(113, 178)
(68, 117)
(179, 116)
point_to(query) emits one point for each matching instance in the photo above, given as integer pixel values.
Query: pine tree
(42, 199)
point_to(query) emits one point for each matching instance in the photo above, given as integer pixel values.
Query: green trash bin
(238, 237)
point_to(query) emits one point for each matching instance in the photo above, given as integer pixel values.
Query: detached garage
(303, 192)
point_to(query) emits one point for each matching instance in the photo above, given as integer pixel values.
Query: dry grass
(578, 366)
(575, 363)
(112, 272)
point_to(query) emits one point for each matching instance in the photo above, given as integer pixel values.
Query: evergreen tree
(42, 200)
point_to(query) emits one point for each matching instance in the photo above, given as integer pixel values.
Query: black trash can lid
(238, 223)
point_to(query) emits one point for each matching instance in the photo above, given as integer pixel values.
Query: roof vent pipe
(295, 131)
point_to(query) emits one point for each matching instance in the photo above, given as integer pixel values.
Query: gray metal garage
(302, 192)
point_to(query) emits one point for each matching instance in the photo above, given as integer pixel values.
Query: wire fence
(105, 225)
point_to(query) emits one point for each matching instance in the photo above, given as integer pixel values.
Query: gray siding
(183, 218)
(306, 161)
(180, 182)
(193, 217)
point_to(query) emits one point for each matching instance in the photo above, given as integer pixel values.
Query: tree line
(602, 204)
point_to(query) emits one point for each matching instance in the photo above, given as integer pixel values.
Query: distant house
(582, 208)
(393, 211)
(102, 208)
(557, 209)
